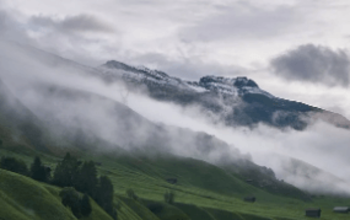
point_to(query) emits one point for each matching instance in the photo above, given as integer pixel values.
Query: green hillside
(203, 191)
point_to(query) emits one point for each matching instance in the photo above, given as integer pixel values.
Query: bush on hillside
(71, 198)
(155, 208)
(85, 206)
(38, 171)
(131, 194)
(169, 197)
(14, 165)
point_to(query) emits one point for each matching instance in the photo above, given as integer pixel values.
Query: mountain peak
(238, 82)
(231, 86)
(238, 86)
(243, 81)
(113, 64)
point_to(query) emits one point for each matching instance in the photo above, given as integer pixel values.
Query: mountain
(76, 117)
(61, 115)
(234, 101)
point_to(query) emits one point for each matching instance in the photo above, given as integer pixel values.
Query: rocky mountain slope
(234, 101)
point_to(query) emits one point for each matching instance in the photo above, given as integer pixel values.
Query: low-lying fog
(321, 145)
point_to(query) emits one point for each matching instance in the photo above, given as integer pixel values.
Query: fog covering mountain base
(72, 101)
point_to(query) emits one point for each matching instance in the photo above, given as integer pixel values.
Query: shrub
(14, 165)
(70, 197)
(169, 197)
(131, 194)
(85, 205)
(155, 207)
(38, 171)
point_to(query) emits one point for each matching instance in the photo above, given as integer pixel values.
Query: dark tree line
(14, 165)
(37, 171)
(74, 176)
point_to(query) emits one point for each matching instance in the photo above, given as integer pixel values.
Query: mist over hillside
(74, 103)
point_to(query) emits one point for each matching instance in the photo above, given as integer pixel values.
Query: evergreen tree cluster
(37, 171)
(83, 177)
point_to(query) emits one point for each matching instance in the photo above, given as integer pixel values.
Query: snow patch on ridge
(238, 86)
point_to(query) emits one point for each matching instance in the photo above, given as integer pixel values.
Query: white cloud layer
(188, 39)
(195, 38)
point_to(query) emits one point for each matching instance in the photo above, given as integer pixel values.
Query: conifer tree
(85, 206)
(38, 171)
(86, 181)
(66, 171)
(105, 196)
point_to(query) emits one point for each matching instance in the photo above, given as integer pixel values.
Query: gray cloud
(77, 23)
(314, 64)
(242, 20)
(70, 36)
(11, 29)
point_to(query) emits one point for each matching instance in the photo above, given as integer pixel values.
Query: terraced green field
(203, 192)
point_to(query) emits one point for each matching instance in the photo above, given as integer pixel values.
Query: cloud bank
(316, 64)
(77, 23)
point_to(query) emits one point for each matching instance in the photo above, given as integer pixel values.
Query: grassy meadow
(203, 191)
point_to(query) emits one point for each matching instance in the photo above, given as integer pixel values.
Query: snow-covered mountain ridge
(226, 86)
(235, 101)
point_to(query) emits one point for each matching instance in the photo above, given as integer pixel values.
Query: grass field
(203, 192)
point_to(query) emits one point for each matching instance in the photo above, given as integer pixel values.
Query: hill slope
(198, 192)
(22, 198)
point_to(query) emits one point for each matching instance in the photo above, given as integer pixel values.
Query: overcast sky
(292, 49)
